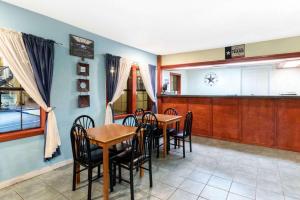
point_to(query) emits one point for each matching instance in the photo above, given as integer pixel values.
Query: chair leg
(131, 183)
(90, 172)
(168, 144)
(175, 143)
(111, 176)
(99, 171)
(150, 172)
(157, 148)
(74, 177)
(183, 145)
(115, 174)
(120, 174)
(190, 144)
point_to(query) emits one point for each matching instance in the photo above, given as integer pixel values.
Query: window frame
(19, 134)
(132, 95)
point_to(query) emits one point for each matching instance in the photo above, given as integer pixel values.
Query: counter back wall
(25, 155)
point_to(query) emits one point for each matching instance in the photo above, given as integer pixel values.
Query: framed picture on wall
(83, 85)
(83, 69)
(83, 101)
(81, 47)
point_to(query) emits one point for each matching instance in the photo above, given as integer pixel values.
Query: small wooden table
(106, 136)
(164, 121)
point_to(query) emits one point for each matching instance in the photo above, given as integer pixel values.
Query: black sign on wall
(237, 51)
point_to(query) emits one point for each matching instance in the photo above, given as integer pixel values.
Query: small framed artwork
(83, 101)
(83, 69)
(81, 47)
(83, 85)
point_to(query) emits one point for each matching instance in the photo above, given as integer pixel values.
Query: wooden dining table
(106, 136)
(164, 121)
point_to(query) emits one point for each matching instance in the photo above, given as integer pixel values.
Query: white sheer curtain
(124, 71)
(13, 50)
(145, 74)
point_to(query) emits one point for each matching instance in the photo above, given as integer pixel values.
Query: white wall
(227, 84)
(240, 80)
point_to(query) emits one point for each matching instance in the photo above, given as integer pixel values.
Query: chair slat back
(85, 121)
(172, 111)
(187, 130)
(141, 145)
(130, 120)
(150, 121)
(80, 144)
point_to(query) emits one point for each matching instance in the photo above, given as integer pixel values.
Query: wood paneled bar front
(271, 121)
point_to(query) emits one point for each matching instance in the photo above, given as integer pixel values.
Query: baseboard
(32, 174)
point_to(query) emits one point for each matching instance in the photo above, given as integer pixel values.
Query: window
(175, 83)
(18, 111)
(141, 93)
(133, 97)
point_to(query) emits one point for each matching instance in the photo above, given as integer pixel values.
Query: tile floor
(215, 170)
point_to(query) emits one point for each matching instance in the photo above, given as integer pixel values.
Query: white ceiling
(172, 26)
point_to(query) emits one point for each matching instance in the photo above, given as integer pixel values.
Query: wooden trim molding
(14, 135)
(159, 75)
(234, 60)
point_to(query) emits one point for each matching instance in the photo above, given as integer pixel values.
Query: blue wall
(25, 155)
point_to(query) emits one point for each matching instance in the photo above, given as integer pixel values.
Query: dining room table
(164, 121)
(106, 136)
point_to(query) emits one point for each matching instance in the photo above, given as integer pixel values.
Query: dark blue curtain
(41, 55)
(112, 64)
(152, 70)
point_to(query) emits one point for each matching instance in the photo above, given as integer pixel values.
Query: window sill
(4, 137)
(116, 117)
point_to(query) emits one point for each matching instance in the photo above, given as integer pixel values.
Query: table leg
(165, 139)
(105, 173)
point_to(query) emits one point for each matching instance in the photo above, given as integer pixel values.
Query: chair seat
(119, 148)
(125, 158)
(171, 130)
(96, 157)
(94, 147)
(175, 134)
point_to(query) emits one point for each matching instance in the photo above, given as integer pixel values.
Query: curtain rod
(133, 62)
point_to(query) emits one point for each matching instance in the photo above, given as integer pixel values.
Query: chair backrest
(170, 111)
(85, 121)
(141, 146)
(150, 121)
(80, 144)
(130, 120)
(139, 112)
(187, 130)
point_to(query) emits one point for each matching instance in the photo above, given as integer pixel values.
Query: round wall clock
(210, 78)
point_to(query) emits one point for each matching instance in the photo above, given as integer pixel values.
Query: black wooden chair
(171, 129)
(87, 122)
(186, 133)
(135, 156)
(129, 120)
(150, 123)
(84, 156)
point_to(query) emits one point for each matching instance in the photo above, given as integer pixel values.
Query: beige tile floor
(215, 170)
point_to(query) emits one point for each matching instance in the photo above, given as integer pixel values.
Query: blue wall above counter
(25, 155)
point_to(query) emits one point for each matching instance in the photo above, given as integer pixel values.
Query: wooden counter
(266, 121)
